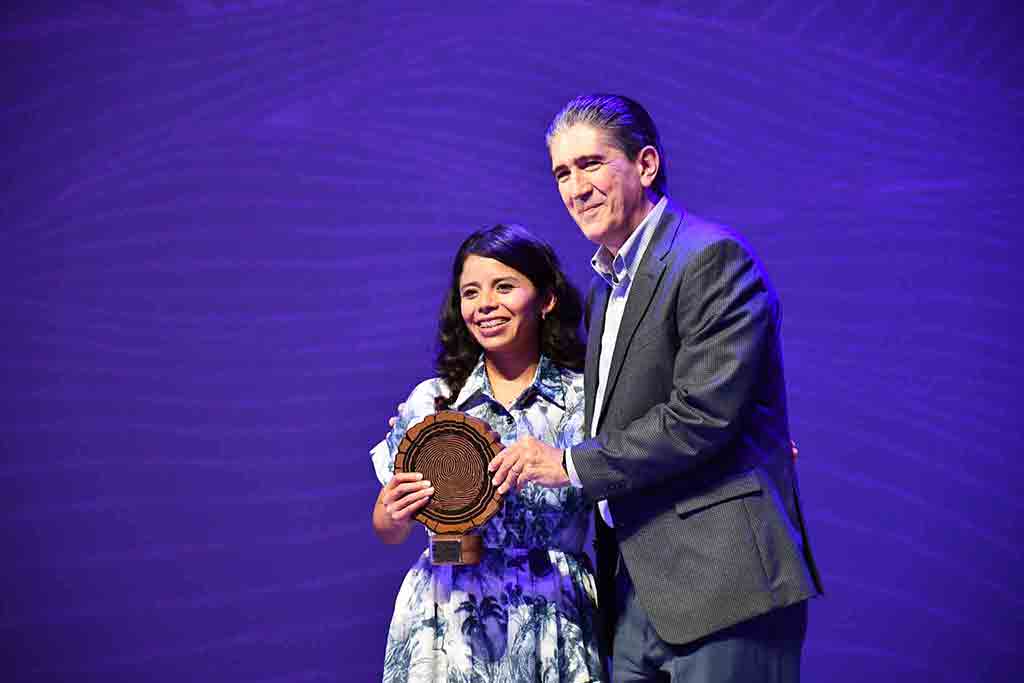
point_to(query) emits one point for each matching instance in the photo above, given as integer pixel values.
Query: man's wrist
(570, 469)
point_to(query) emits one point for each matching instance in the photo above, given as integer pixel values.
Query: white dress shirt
(619, 272)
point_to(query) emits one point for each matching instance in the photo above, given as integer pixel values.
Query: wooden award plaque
(452, 451)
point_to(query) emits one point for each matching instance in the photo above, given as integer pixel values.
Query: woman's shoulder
(420, 401)
(571, 385)
(414, 408)
(567, 376)
(570, 376)
(429, 389)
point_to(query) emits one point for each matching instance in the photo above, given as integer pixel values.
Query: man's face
(602, 189)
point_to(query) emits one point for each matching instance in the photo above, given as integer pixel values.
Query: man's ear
(648, 161)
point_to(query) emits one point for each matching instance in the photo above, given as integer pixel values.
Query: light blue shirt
(618, 271)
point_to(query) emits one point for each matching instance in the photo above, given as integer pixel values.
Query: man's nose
(579, 186)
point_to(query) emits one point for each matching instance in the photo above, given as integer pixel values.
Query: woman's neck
(510, 375)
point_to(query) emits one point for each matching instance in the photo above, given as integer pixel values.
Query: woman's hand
(404, 495)
(397, 502)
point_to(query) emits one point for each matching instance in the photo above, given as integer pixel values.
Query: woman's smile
(500, 306)
(492, 326)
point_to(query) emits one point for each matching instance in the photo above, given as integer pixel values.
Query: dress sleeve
(419, 404)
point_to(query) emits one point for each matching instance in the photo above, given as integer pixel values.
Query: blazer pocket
(745, 485)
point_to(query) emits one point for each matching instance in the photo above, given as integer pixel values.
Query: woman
(511, 355)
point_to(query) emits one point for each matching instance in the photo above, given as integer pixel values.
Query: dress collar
(547, 382)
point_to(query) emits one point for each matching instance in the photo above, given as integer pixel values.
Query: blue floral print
(526, 612)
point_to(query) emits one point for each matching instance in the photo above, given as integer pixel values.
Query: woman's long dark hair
(560, 331)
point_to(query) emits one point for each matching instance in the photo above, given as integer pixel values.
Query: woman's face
(501, 307)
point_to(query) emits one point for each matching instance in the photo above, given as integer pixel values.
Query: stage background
(226, 231)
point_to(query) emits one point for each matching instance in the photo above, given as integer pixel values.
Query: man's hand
(528, 460)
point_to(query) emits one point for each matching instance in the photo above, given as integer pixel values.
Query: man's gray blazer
(692, 449)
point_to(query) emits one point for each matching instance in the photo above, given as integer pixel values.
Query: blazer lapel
(641, 293)
(596, 329)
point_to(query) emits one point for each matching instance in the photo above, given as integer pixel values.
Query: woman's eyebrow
(494, 281)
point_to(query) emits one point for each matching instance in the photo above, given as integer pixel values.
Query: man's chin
(592, 231)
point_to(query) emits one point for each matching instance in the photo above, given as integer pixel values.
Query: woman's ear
(549, 305)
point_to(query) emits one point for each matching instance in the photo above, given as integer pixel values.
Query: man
(704, 566)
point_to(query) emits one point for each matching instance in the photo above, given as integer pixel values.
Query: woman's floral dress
(527, 611)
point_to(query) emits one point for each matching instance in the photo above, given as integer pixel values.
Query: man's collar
(612, 269)
(547, 382)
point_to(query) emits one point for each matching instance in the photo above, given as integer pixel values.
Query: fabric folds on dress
(527, 611)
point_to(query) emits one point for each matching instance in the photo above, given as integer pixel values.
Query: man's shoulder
(699, 241)
(697, 233)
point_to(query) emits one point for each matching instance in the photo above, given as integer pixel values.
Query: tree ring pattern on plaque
(452, 450)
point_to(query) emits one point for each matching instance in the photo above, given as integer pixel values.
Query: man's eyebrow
(579, 161)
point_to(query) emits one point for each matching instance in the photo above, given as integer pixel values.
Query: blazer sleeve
(726, 313)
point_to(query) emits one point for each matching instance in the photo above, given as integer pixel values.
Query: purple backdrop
(227, 226)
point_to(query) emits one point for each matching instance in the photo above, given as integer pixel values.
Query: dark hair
(630, 126)
(560, 337)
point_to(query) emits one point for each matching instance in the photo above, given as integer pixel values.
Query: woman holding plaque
(510, 355)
